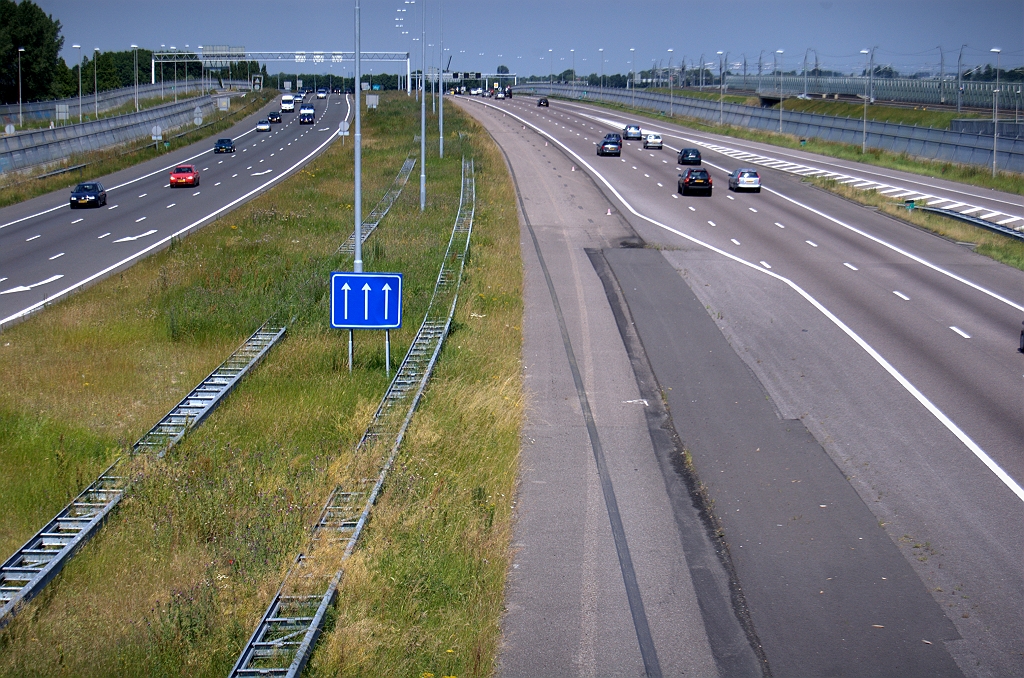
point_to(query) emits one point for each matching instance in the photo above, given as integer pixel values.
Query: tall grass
(180, 575)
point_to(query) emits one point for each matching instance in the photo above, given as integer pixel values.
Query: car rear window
(184, 169)
(747, 175)
(85, 187)
(223, 141)
(699, 174)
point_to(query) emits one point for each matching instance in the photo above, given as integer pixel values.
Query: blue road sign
(366, 301)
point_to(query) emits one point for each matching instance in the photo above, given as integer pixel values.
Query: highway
(48, 250)
(896, 350)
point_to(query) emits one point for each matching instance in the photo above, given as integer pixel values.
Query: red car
(184, 175)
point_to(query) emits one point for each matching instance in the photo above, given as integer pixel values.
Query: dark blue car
(88, 194)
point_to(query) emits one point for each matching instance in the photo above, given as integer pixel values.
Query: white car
(499, 95)
(321, 93)
(287, 103)
(652, 141)
(745, 178)
(263, 126)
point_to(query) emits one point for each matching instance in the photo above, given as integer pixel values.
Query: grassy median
(177, 580)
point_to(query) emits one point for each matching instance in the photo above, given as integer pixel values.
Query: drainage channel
(34, 565)
(285, 637)
(381, 210)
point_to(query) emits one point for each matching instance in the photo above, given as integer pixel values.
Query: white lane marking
(217, 184)
(948, 423)
(850, 266)
(220, 162)
(130, 238)
(170, 206)
(33, 238)
(56, 256)
(248, 168)
(779, 225)
(77, 220)
(648, 176)
(144, 195)
(634, 166)
(691, 208)
(901, 295)
(179, 232)
(140, 219)
(1004, 222)
(195, 194)
(812, 244)
(730, 197)
(751, 209)
(765, 264)
(675, 196)
(167, 185)
(990, 215)
(260, 174)
(659, 184)
(26, 288)
(103, 236)
(960, 331)
(735, 241)
(205, 169)
(113, 207)
(711, 222)
(271, 155)
(233, 176)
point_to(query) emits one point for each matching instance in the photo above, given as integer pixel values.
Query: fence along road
(285, 637)
(922, 142)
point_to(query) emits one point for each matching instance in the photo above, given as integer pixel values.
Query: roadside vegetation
(177, 580)
(1000, 247)
(975, 175)
(17, 186)
(145, 103)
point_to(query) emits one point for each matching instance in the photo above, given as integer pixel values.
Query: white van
(287, 103)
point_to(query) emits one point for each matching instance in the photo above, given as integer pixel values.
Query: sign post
(367, 301)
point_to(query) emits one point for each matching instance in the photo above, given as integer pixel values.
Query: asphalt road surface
(48, 250)
(877, 406)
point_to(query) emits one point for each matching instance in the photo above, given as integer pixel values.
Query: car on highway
(321, 93)
(224, 146)
(695, 179)
(632, 132)
(88, 194)
(274, 116)
(653, 141)
(688, 156)
(184, 175)
(745, 178)
(543, 101)
(287, 103)
(263, 126)
(610, 145)
(499, 94)
(307, 115)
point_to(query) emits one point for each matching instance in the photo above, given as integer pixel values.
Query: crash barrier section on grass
(922, 142)
(34, 565)
(380, 211)
(931, 91)
(51, 145)
(286, 634)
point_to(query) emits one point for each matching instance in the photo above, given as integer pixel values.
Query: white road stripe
(960, 331)
(901, 295)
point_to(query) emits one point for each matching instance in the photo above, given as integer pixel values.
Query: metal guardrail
(922, 142)
(26, 573)
(1003, 230)
(380, 211)
(285, 637)
(104, 101)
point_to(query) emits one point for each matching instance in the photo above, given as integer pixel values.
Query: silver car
(745, 179)
(652, 141)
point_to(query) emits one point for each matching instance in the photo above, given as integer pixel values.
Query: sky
(535, 36)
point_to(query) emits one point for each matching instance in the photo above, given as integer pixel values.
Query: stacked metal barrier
(43, 556)
(382, 208)
(286, 634)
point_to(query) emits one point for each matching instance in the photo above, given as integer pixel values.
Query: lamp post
(357, 255)
(136, 48)
(423, 107)
(701, 85)
(95, 81)
(633, 95)
(959, 79)
(864, 137)
(670, 110)
(721, 85)
(995, 111)
(573, 52)
(175, 62)
(601, 52)
(760, 66)
(551, 70)
(440, 79)
(21, 120)
(779, 52)
(79, 48)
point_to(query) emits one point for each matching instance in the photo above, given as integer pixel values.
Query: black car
(689, 156)
(274, 116)
(224, 146)
(695, 179)
(542, 101)
(88, 194)
(610, 145)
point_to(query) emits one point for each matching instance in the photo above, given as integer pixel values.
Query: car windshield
(690, 153)
(184, 169)
(86, 188)
(224, 141)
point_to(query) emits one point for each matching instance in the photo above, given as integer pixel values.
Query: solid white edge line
(866, 347)
(188, 228)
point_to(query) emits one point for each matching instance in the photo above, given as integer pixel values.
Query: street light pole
(601, 52)
(357, 263)
(423, 108)
(633, 96)
(79, 48)
(21, 120)
(440, 79)
(864, 137)
(136, 48)
(573, 52)
(995, 111)
(959, 79)
(780, 52)
(721, 86)
(95, 81)
(551, 70)
(670, 110)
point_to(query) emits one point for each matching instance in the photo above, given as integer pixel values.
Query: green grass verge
(1002, 248)
(17, 187)
(974, 175)
(183, 570)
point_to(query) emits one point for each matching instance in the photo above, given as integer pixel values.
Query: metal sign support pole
(350, 351)
(357, 265)
(423, 110)
(387, 353)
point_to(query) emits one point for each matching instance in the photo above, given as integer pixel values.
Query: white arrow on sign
(386, 288)
(366, 301)
(346, 288)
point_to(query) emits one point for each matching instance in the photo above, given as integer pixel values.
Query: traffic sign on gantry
(366, 301)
